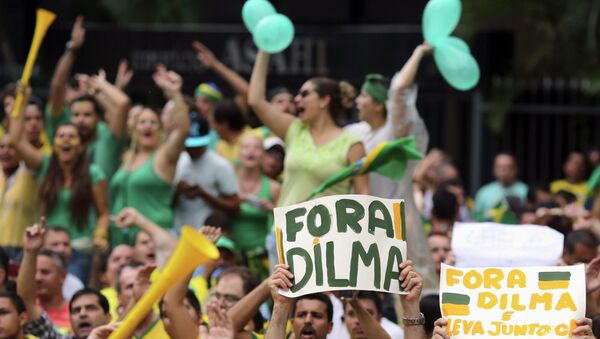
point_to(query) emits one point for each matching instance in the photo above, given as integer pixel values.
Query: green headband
(374, 86)
(210, 92)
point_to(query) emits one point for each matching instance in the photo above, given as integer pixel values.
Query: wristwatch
(418, 321)
(69, 46)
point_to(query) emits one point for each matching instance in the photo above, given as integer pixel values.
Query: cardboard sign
(490, 244)
(344, 242)
(526, 302)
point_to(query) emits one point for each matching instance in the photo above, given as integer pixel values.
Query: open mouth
(147, 134)
(307, 332)
(300, 111)
(151, 257)
(85, 326)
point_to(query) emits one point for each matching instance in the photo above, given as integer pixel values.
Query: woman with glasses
(316, 146)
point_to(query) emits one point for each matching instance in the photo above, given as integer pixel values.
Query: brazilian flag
(553, 280)
(455, 304)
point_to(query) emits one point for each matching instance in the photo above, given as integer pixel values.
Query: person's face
(48, 277)
(574, 168)
(205, 107)
(87, 314)
(308, 103)
(284, 102)
(120, 256)
(126, 282)
(229, 290)
(143, 250)
(220, 127)
(84, 116)
(9, 104)
(33, 123)
(351, 320)
(272, 164)
(67, 143)
(11, 322)
(504, 169)
(366, 106)
(251, 152)
(147, 129)
(581, 254)
(8, 156)
(310, 321)
(59, 242)
(439, 247)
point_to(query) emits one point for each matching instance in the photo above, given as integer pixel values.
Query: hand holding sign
(281, 279)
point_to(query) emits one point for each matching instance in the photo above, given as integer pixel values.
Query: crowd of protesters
(95, 188)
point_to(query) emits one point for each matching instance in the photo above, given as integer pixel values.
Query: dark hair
(581, 237)
(370, 295)
(430, 307)
(60, 229)
(559, 223)
(57, 258)
(445, 205)
(90, 99)
(276, 91)
(250, 281)
(38, 103)
(132, 265)
(81, 187)
(15, 299)
(191, 298)
(220, 219)
(4, 264)
(596, 326)
(567, 196)
(228, 112)
(102, 301)
(341, 95)
(316, 296)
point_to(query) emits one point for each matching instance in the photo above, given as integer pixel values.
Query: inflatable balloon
(274, 33)
(457, 66)
(254, 11)
(440, 18)
(458, 43)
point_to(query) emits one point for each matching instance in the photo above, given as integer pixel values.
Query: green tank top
(145, 191)
(252, 226)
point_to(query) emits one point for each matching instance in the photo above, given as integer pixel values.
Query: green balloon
(254, 11)
(440, 18)
(457, 66)
(458, 43)
(274, 33)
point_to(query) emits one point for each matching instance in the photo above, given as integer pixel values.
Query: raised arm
(26, 285)
(243, 311)
(239, 84)
(63, 68)
(360, 183)
(412, 283)
(100, 194)
(180, 324)
(278, 122)
(115, 103)
(164, 241)
(32, 156)
(402, 100)
(170, 82)
(280, 279)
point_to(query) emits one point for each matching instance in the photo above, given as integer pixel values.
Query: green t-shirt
(60, 214)
(251, 226)
(105, 151)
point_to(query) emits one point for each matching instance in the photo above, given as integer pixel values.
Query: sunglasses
(305, 93)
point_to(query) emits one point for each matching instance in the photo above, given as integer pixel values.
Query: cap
(274, 144)
(210, 90)
(374, 86)
(225, 243)
(198, 136)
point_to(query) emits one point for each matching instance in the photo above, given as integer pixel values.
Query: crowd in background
(95, 189)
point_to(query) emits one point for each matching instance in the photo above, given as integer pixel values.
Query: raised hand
(124, 75)
(584, 329)
(592, 275)
(34, 236)
(211, 233)
(104, 331)
(439, 331)
(411, 281)
(281, 279)
(204, 55)
(424, 48)
(142, 282)
(127, 217)
(169, 81)
(221, 325)
(78, 33)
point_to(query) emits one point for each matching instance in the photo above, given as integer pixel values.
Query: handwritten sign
(511, 302)
(344, 242)
(491, 244)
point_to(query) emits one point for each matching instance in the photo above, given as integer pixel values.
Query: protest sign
(498, 245)
(344, 242)
(511, 302)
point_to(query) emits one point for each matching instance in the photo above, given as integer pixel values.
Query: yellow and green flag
(455, 304)
(389, 158)
(553, 280)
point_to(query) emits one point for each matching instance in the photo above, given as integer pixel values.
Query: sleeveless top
(145, 191)
(251, 227)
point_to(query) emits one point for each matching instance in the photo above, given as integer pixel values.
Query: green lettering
(292, 226)
(368, 258)
(318, 264)
(347, 219)
(331, 279)
(394, 260)
(385, 223)
(298, 251)
(325, 222)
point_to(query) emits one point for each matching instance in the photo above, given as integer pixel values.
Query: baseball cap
(198, 135)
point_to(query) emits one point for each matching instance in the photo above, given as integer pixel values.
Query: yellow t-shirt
(156, 331)
(579, 189)
(113, 301)
(19, 205)
(231, 151)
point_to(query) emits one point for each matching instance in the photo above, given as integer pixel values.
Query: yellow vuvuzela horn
(192, 250)
(44, 19)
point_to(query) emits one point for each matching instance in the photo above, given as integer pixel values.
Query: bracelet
(101, 232)
(418, 321)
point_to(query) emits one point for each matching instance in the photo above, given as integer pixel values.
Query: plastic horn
(44, 19)
(192, 250)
